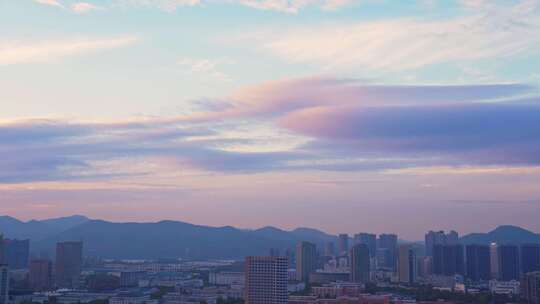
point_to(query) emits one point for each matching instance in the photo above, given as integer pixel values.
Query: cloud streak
(20, 52)
(282, 6)
(344, 124)
(406, 43)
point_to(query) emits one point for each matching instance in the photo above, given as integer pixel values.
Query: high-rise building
(329, 249)
(407, 268)
(68, 264)
(433, 238)
(531, 287)
(266, 280)
(388, 245)
(306, 260)
(494, 259)
(40, 275)
(343, 242)
(2, 249)
(530, 258)
(291, 256)
(4, 284)
(448, 260)
(508, 257)
(478, 261)
(360, 263)
(368, 239)
(16, 253)
(452, 238)
(425, 265)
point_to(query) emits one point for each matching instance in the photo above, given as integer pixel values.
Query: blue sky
(171, 108)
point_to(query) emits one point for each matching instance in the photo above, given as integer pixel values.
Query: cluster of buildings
(500, 267)
(309, 274)
(14, 261)
(442, 262)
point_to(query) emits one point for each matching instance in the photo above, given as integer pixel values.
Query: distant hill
(501, 235)
(173, 239)
(169, 239)
(313, 235)
(165, 239)
(65, 223)
(38, 230)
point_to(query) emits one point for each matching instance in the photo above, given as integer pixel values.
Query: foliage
(102, 282)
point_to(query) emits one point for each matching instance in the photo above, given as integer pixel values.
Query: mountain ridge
(168, 238)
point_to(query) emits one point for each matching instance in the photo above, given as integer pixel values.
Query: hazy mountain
(313, 235)
(299, 234)
(37, 230)
(502, 234)
(274, 233)
(13, 228)
(65, 223)
(168, 239)
(172, 239)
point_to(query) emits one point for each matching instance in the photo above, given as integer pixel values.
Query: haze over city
(269, 152)
(345, 116)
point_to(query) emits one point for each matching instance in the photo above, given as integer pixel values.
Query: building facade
(508, 261)
(448, 260)
(40, 275)
(68, 264)
(16, 253)
(306, 260)
(407, 268)
(478, 262)
(387, 247)
(433, 238)
(343, 242)
(4, 284)
(329, 249)
(266, 280)
(360, 263)
(530, 258)
(368, 239)
(531, 287)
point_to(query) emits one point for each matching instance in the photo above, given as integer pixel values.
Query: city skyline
(345, 116)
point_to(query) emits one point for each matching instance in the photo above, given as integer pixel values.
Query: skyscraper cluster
(42, 276)
(480, 262)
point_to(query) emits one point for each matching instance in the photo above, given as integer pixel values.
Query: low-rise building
(361, 299)
(335, 290)
(134, 298)
(227, 278)
(504, 287)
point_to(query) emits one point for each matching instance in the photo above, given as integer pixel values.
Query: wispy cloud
(447, 125)
(17, 52)
(345, 126)
(166, 5)
(50, 2)
(407, 43)
(294, 6)
(84, 7)
(283, 6)
(205, 67)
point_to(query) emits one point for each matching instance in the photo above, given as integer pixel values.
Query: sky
(343, 115)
